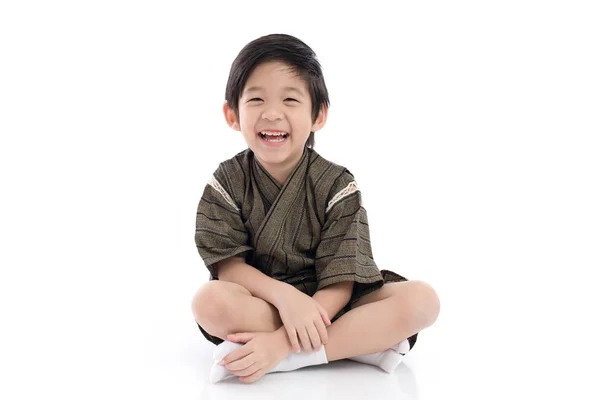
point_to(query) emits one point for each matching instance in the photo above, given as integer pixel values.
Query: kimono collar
(269, 187)
(284, 201)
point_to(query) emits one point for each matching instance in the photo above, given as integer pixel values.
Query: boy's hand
(304, 318)
(261, 353)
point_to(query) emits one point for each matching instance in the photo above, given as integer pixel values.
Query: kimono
(310, 233)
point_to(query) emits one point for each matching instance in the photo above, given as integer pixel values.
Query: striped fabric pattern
(299, 233)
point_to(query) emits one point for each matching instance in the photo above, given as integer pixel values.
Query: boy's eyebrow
(285, 89)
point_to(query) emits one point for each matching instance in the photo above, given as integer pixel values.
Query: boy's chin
(273, 157)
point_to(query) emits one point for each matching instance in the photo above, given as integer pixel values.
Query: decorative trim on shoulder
(347, 191)
(217, 186)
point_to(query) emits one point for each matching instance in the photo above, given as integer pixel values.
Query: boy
(285, 236)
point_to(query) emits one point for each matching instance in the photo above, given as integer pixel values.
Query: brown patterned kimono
(311, 232)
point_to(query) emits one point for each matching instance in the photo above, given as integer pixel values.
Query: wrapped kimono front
(310, 233)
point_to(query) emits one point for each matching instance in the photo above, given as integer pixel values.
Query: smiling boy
(275, 117)
(285, 237)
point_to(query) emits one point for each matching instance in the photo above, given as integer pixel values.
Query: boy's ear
(321, 119)
(230, 117)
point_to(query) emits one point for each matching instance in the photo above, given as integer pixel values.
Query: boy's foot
(292, 362)
(387, 360)
(402, 348)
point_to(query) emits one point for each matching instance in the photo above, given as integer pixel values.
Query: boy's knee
(428, 303)
(212, 303)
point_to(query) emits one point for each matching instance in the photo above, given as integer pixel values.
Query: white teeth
(273, 133)
(280, 139)
(274, 136)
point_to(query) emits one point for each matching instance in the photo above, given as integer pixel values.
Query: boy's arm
(235, 269)
(334, 297)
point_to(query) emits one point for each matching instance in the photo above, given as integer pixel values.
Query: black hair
(285, 48)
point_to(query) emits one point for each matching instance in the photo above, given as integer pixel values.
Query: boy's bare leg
(383, 319)
(379, 320)
(222, 308)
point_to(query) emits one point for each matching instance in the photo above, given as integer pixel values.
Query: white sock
(219, 372)
(223, 349)
(401, 348)
(300, 360)
(387, 360)
(292, 362)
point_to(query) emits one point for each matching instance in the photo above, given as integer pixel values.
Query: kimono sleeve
(344, 252)
(220, 231)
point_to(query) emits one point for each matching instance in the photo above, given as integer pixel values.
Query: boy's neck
(281, 172)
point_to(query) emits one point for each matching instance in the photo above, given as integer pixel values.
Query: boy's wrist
(278, 292)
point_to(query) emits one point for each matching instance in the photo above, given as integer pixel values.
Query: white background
(471, 127)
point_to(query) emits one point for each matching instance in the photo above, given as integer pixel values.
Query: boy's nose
(272, 114)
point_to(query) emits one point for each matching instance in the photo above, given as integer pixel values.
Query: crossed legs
(378, 321)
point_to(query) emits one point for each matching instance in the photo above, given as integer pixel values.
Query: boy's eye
(259, 99)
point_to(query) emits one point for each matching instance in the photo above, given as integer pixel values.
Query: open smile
(273, 137)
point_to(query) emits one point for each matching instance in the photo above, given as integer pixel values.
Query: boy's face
(275, 100)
